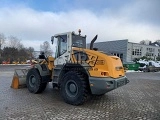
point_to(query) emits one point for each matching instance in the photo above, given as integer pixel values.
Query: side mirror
(52, 39)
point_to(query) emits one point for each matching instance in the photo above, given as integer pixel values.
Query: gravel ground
(138, 100)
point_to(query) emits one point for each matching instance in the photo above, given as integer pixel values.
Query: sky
(35, 21)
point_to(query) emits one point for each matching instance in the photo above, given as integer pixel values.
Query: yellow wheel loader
(75, 70)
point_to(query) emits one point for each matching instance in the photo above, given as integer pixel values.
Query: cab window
(62, 44)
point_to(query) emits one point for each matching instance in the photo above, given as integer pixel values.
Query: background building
(127, 51)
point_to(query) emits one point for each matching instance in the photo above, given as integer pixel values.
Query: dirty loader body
(77, 71)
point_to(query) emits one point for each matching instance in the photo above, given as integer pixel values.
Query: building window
(137, 51)
(150, 49)
(120, 55)
(149, 54)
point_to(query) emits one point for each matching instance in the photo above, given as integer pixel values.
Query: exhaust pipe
(92, 42)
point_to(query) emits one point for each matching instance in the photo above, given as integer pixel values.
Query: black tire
(74, 88)
(33, 81)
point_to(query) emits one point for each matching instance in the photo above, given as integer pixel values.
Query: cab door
(62, 55)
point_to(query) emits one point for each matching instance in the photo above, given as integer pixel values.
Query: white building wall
(135, 50)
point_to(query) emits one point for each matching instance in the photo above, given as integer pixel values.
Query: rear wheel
(74, 88)
(33, 81)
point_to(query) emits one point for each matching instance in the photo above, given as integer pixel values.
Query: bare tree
(2, 42)
(145, 42)
(45, 47)
(31, 52)
(142, 42)
(14, 42)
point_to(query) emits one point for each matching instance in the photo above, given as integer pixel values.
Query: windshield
(60, 43)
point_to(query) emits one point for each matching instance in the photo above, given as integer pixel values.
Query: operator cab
(64, 43)
(78, 41)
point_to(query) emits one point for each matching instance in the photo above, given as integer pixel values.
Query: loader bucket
(19, 78)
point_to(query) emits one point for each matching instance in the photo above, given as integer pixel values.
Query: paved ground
(138, 100)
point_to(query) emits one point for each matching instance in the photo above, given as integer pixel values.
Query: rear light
(119, 68)
(104, 74)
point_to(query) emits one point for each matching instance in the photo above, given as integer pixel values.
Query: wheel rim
(71, 88)
(32, 81)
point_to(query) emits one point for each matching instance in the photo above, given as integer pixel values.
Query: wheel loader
(78, 72)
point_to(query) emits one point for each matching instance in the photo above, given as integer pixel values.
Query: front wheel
(33, 81)
(74, 88)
